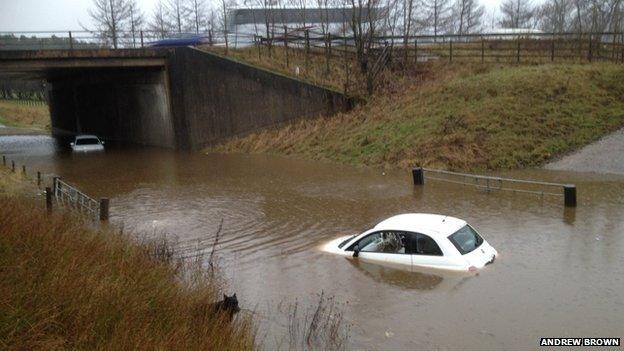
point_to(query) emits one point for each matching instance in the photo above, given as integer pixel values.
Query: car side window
(383, 242)
(425, 245)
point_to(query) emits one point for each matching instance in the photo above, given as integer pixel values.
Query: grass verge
(461, 117)
(66, 285)
(14, 114)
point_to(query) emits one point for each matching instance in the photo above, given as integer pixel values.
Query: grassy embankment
(14, 114)
(461, 117)
(66, 285)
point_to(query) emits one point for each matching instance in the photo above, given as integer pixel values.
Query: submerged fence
(489, 183)
(65, 194)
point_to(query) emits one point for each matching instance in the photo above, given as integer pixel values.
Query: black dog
(229, 306)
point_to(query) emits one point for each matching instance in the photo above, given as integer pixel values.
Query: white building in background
(245, 24)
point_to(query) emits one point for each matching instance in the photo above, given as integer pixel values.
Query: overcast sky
(34, 15)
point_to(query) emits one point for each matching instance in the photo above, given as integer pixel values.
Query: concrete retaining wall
(215, 97)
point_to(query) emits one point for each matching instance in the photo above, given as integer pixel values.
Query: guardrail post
(569, 195)
(104, 203)
(71, 41)
(38, 178)
(48, 192)
(418, 175)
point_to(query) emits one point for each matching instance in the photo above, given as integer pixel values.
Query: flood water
(560, 272)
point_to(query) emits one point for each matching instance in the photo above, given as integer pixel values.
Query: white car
(419, 240)
(87, 143)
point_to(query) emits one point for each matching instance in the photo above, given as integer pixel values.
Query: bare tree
(111, 18)
(468, 16)
(196, 9)
(136, 20)
(159, 24)
(517, 14)
(224, 23)
(177, 12)
(556, 16)
(408, 16)
(437, 16)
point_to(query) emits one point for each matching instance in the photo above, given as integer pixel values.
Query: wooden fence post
(552, 49)
(141, 33)
(55, 184)
(482, 49)
(71, 41)
(590, 53)
(518, 53)
(3, 160)
(48, 192)
(451, 50)
(286, 44)
(12, 166)
(307, 48)
(24, 169)
(38, 178)
(104, 204)
(416, 50)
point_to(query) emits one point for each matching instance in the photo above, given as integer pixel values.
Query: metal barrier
(489, 183)
(71, 196)
(66, 194)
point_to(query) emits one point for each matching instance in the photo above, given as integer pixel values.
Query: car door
(425, 252)
(385, 248)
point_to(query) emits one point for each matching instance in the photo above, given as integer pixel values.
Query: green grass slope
(474, 118)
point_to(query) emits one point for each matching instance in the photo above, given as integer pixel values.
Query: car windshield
(466, 239)
(87, 141)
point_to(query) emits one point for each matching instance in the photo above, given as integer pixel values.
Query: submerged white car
(87, 143)
(419, 240)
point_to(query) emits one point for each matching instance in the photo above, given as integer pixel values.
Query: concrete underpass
(176, 98)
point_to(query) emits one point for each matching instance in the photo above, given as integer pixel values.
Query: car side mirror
(71, 144)
(356, 250)
(102, 142)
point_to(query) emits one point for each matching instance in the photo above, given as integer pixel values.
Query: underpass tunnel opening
(120, 105)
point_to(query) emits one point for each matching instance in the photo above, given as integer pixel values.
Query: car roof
(85, 136)
(434, 225)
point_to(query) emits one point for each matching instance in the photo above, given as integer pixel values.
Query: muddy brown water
(560, 272)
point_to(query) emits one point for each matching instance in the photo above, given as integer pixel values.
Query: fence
(491, 47)
(66, 194)
(488, 183)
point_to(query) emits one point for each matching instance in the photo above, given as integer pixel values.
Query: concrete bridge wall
(215, 97)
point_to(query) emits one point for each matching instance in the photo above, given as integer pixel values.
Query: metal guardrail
(68, 195)
(489, 183)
